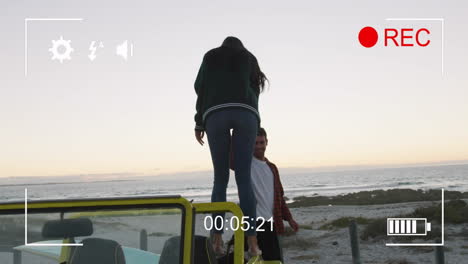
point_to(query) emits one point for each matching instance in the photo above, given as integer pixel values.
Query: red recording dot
(368, 37)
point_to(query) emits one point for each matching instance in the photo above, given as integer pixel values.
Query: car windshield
(142, 235)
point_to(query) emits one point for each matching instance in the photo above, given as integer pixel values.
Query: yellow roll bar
(220, 207)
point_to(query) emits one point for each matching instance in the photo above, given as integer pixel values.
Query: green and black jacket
(226, 79)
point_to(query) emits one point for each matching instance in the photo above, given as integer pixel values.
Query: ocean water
(198, 187)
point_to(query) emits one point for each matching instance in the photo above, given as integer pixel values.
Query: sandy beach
(323, 236)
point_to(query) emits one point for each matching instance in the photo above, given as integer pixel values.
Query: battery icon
(408, 227)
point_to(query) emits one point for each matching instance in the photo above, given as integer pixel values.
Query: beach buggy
(131, 230)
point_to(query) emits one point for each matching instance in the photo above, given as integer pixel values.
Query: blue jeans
(244, 124)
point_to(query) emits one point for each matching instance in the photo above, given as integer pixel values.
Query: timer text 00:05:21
(235, 223)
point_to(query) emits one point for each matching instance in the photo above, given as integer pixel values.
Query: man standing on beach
(269, 193)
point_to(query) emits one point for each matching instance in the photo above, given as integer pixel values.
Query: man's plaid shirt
(280, 209)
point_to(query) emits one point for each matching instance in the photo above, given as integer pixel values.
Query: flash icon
(93, 48)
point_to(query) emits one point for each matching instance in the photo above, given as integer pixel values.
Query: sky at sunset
(330, 102)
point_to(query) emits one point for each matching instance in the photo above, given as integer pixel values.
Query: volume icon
(124, 50)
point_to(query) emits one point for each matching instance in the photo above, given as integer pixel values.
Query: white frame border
(422, 244)
(427, 19)
(26, 20)
(26, 229)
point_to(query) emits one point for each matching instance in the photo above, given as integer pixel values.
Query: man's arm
(287, 216)
(286, 213)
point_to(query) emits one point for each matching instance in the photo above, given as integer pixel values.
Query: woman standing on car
(228, 85)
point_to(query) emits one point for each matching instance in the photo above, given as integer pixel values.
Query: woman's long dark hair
(258, 78)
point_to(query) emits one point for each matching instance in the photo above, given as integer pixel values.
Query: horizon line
(317, 168)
